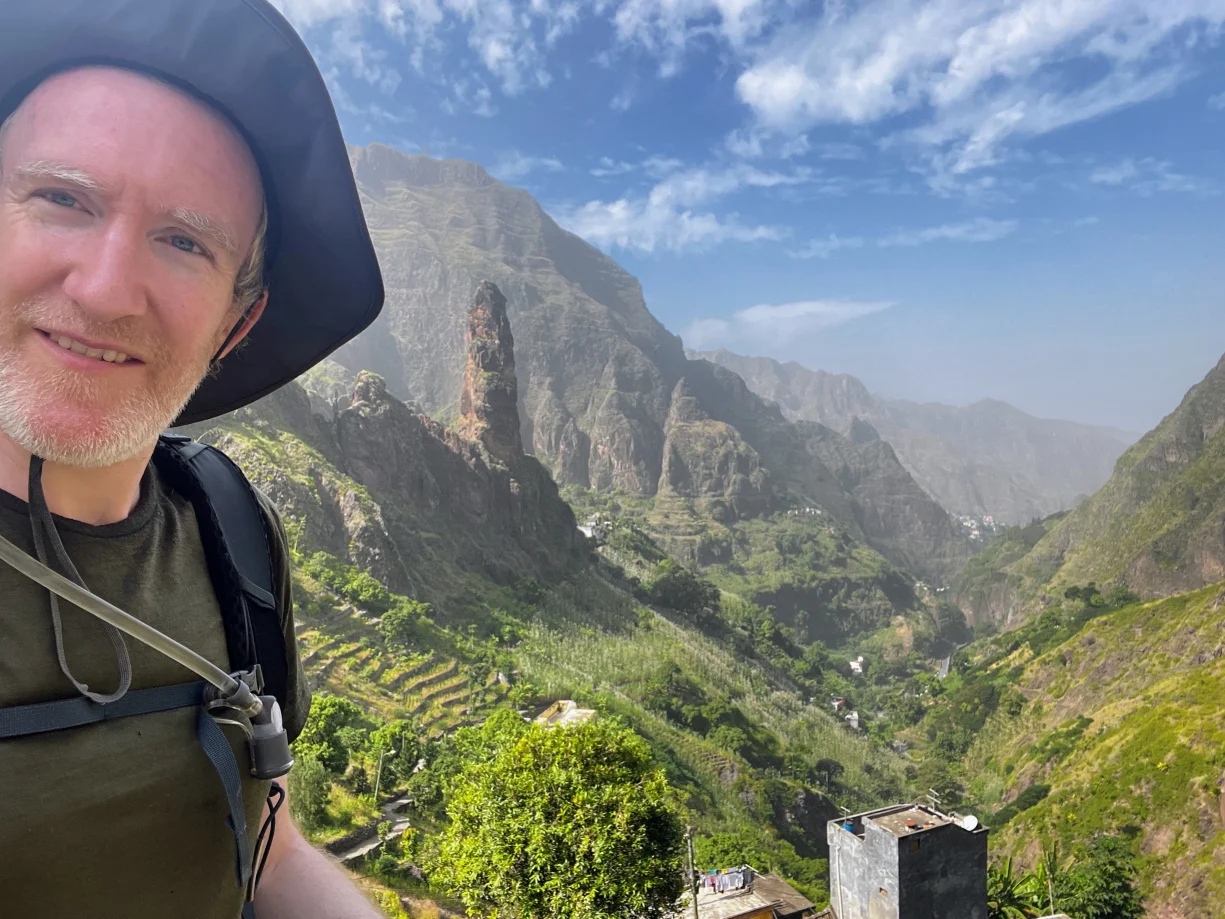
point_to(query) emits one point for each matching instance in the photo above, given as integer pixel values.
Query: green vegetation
(1099, 883)
(1094, 722)
(730, 697)
(804, 566)
(564, 822)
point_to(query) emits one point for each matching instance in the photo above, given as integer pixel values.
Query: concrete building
(563, 714)
(907, 862)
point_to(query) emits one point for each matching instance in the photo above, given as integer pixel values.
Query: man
(179, 234)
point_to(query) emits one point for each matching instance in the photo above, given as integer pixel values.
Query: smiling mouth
(100, 354)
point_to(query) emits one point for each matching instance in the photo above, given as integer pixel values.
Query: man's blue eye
(63, 199)
(184, 243)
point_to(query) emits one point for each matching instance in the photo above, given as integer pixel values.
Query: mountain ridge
(597, 372)
(986, 458)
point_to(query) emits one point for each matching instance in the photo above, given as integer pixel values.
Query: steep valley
(457, 532)
(984, 459)
(1155, 527)
(485, 523)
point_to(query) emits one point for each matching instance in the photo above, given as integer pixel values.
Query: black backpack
(233, 530)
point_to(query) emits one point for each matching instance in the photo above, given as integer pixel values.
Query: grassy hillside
(1095, 720)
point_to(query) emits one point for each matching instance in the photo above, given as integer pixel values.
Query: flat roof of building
(729, 905)
(909, 820)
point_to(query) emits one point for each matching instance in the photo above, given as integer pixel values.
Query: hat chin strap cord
(233, 691)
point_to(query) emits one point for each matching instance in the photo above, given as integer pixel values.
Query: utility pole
(693, 871)
(379, 777)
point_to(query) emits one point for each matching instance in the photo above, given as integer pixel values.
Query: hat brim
(247, 62)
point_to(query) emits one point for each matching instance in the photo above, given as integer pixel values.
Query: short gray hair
(251, 281)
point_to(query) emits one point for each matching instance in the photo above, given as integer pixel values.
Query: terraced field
(343, 653)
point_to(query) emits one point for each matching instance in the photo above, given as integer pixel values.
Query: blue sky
(951, 199)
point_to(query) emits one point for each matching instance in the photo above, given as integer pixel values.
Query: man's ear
(243, 326)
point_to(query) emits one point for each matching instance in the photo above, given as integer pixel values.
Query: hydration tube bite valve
(260, 719)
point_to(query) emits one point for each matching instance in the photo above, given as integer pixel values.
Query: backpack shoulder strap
(233, 530)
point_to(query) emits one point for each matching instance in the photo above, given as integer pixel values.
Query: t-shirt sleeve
(297, 705)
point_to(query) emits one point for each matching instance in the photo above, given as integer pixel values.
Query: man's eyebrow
(60, 172)
(204, 225)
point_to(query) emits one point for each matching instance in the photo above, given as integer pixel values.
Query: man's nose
(106, 277)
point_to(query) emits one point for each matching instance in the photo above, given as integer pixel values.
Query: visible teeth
(114, 357)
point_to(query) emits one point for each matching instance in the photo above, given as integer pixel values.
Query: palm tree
(1048, 875)
(1012, 896)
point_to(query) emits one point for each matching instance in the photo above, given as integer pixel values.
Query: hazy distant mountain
(1157, 527)
(986, 458)
(608, 399)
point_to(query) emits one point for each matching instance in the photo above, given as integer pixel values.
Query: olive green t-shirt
(123, 819)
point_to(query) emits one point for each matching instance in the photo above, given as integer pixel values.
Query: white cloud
(1087, 221)
(796, 146)
(371, 112)
(362, 58)
(655, 166)
(1149, 176)
(666, 218)
(744, 143)
(610, 167)
(670, 27)
(1217, 102)
(824, 248)
(622, 101)
(974, 73)
(307, 13)
(646, 224)
(840, 151)
(516, 165)
(754, 143)
(1114, 175)
(773, 329)
(473, 95)
(508, 37)
(979, 230)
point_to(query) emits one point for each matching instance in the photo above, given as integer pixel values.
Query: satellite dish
(969, 822)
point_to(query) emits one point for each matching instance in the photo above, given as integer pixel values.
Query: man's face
(126, 210)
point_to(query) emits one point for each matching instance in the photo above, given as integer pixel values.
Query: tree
(1012, 896)
(1103, 881)
(398, 740)
(680, 589)
(729, 737)
(828, 772)
(571, 823)
(334, 728)
(309, 789)
(399, 624)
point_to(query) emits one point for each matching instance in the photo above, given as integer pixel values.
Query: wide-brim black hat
(242, 58)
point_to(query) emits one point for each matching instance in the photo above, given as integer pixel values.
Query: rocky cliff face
(987, 458)
(489, 406)
(391, 491)
(607, 398)
(709, 460)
